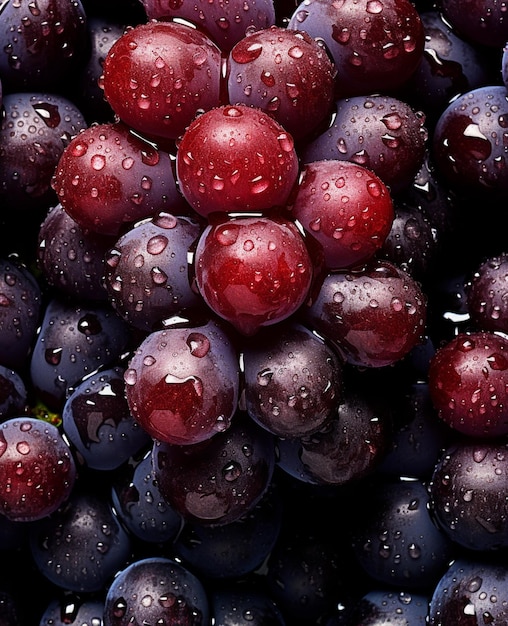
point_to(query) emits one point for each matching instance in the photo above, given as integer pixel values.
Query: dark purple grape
(483, 22)
(41, 44)
(20, 312)
(287, 74)
(380, 607)
(349, 447)
(183, 383)
(381, 133)
(35, 130)
(225, 22)
(469, 141)
(156, 590)
(468, 492)
(147, 272)
(472, 592)
(71, 258)
(74, 340)
(98, 423)
(13, 394)
(244, 605)
(82, 545)
(37, 469)
(72, 610)
(394, 537)
(375, 45)
(232, 551)
(487, 295)
(140, 506)
(219, 480)
(450, 66)
(373, 315)
(292, 380)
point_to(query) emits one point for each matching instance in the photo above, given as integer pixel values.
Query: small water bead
(157, 244)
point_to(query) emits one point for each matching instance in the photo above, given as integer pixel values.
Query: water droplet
(157, 244)
(232, 471)
(199, 344)
(245, 54)
(227, 235)
(264, 377)
(374, 7)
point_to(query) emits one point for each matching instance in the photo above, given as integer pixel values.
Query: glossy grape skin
(236, 158)
(486, 295)
(41, 46)
(394, 537)
(381, 133)
(346, 208)
(348, 448)
(35, 129)
(20, 312)
(471, 592)
(82, 545)
(374, 315)
(37, 469)
(139, 504)
(73, 341)
(467, 382)
(158, 75)
(286, 73)
(147, 275)
(156, 589)
(468, 493)
(98, 423)
(468, 142)
(13, 394)
(182, 384)
(232, 551)
(224, 23)
(375, 46)
(380, 607)
(292, 380)
(482, 23)
(71, 258)
(253, 271)
(73, 611)
(218, 481)
(108, 178)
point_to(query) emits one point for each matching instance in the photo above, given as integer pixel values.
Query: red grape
(236, 159)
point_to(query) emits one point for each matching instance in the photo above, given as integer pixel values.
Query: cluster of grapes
(253, 313)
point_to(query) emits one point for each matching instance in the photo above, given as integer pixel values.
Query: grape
(73, 611)
(253, 271)
(292, 380)
(157, 76)
(146, 273)
(482, 23)
(468, 589)
(37, 469)
(467, 383)
(287, 74)
(217, 481)
(13, 393)
(245, 605)
(183, 383)
(375, 45)
(73, 342)
(36, 127)
(486, 296)
(378, 606)
(381, 133)
(346, 208)
(108, 177)
(71, 258)
(236, 159)
(468, 140)
(374, 315)
(40, 46)
(225, 23)
(156, 589)
(98, 423)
